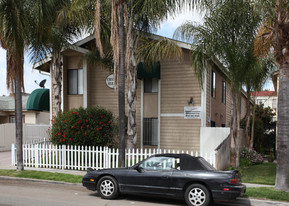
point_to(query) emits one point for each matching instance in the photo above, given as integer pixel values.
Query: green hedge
(92, 127)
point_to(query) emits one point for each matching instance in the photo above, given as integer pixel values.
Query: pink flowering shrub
(250, 157)
(91, 127)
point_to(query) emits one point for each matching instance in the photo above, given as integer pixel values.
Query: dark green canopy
(151, 70)
(38, 100)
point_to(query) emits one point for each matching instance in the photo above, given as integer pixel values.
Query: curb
(38, 180)
(276, 203)
(257, 185)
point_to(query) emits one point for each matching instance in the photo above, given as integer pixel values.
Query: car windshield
(157, 163)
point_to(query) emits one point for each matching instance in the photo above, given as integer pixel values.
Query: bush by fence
(91, 126)
(250, 157)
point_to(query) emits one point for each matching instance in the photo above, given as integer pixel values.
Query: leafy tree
(228, 35)
(265, 141)
(256, 74)
(264, 129)
(275, 33)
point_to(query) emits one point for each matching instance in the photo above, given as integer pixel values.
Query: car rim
(197, 197)
(107, 187)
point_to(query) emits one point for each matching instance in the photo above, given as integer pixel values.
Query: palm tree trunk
(247, 128)
(121, 87)
(282, 177)
(235, 130)
(253, 126)
(131, 66)
(18, 124)
(57, 81)
(237, 138)
(131, 100)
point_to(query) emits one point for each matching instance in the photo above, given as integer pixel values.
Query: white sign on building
(110, 81)
(192, 112)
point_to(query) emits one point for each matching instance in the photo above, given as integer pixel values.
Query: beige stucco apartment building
(171, 107)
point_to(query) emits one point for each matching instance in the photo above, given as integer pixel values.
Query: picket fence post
(63, 157)
(36, 155)
(13, 155)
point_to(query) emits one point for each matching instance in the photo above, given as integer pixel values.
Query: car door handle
(165, 177)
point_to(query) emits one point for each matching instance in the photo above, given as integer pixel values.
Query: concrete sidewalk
(5, 159)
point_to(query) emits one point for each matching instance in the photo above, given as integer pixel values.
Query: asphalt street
(16, 192)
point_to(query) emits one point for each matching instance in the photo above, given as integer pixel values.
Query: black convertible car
(173, 175)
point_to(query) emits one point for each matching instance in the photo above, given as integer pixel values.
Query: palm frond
(263, 41)
(150, 50)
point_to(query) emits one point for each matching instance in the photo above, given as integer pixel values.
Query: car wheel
(197, 195)
(107, 187)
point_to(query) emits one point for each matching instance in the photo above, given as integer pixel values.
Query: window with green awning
(38, 100)
(151, 70)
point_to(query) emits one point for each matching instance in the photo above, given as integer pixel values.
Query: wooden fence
(82, 157)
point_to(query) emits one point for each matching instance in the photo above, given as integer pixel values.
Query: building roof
(263, 93)
(7, 103)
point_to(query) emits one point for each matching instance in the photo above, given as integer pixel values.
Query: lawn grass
(259, 174)
(267, 193)
(42, 175)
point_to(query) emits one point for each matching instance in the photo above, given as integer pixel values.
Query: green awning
(38, 100)
(152, 70)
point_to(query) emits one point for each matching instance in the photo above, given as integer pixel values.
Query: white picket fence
(83, 157)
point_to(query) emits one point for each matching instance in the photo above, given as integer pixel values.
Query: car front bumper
(229, 192)
(88, 184)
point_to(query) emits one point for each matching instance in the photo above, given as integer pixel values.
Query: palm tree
(274, 33)
(256, 74)
(140, 16)
(228, 34)
(13, 38)
(127, 20)
(53, 30)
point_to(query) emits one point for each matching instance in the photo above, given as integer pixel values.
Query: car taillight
(234, 181)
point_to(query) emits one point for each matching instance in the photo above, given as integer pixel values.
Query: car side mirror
(139, 168)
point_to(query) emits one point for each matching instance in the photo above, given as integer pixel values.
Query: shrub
(250, 157)
(92, 127)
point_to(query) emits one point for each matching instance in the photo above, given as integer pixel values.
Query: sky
(166, 29)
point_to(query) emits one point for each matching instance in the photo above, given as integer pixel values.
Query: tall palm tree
(53, 30)
(275, 33)
(138, 16)
(255, 76)
(228, 34)
(14, 26)
(130, 17)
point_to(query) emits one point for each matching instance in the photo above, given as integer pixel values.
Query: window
(274, 103)
(213, 124)
(159, 163)
(13, 120)
(75, 81)
(240, 105)
(260, 101)
(151, 85)
(213, 84)
(224, 92)
(150, 131)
